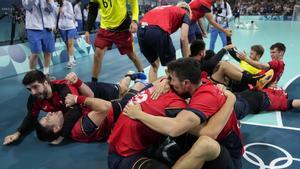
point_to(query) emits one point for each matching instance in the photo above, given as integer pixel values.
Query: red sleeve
(177, 104)
(205, 104)
(273, 64)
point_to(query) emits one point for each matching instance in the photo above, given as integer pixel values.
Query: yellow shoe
(262, 82)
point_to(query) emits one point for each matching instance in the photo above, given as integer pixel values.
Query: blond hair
(185, 6)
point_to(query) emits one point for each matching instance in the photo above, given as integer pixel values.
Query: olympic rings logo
(258, 161)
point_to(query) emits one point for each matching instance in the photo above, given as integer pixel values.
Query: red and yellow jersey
(249, 68)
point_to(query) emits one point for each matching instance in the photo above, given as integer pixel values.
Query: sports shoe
(138, 75)
(71, 65)
(265, 79)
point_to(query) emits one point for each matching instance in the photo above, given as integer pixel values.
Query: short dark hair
(33, 76)
(209, 54)
(280, 47)
(258, 49)
(44, 133)
(196, 47)
(186, 68)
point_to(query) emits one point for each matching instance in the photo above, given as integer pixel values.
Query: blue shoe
(138, 75)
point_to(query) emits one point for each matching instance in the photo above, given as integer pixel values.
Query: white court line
(272, 126)
(279, 118)
(290, 81)
(296, 159)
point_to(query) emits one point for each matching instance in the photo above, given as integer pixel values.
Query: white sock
(71, 59)
(46, 70)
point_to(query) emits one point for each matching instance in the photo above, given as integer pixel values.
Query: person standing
(154, 32)
(116, 27)
(67, 29)
(222, 13)
(78, 16)
(200, 9)
(39, 30)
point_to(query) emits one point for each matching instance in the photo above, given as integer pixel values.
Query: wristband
(78, 83)
(80, 99)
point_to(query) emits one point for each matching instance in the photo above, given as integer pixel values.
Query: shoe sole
(265, 80)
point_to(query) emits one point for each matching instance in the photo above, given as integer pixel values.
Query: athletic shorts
(123, 40)
(105, 91)
(68, 34)
(40, 40)
(250, 102)
(156, 43)
(194, 32)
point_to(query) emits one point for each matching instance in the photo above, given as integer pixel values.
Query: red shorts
(101, 134)
(123, 40)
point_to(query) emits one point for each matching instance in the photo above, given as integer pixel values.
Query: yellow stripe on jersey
(113, 12)
(249, 68)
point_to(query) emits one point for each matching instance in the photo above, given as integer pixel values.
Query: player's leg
(204, 149)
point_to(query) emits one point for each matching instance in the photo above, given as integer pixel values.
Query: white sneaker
(71, 65)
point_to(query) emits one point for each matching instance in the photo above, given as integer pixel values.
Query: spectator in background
(78, 16)
(67, 28)
(85, 13)
(39, 26)
(222, 13)
(237, 13)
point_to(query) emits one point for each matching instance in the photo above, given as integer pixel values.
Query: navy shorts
(105, 91)
(156, 43)
(41, 40)
(118, 162)
(88, 126)
(250, 102)
(194, 32)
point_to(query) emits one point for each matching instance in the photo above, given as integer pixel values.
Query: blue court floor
(271, 139)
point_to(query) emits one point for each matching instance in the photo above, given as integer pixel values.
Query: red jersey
(206, 101)
(278, 99)
(60, 89)
(56, 102)
(199, 8)
(130, 137)
(168, 18)
(278, 67)
(101, 134)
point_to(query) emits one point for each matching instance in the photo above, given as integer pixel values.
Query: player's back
(129, 136)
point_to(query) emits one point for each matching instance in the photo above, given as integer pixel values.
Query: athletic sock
(46, 70)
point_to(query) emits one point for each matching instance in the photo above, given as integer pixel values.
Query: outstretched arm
(212, 21)
(27, 124)
(253, 63)
(83, 89)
